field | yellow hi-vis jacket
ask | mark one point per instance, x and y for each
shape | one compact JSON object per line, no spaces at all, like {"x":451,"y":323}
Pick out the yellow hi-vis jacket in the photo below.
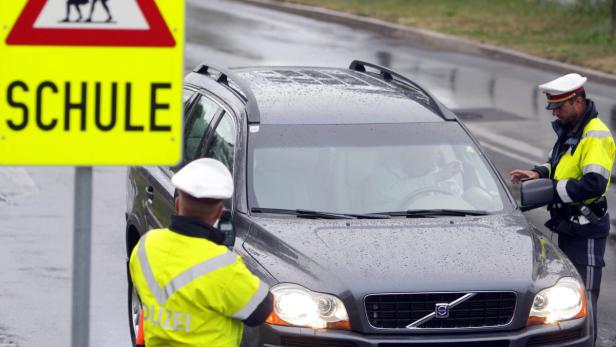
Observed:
{"x":194,"y":292}
{"x":584,"y":175}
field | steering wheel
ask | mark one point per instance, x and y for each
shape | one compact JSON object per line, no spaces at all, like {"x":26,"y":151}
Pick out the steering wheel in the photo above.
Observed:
{"x":410,"y":198}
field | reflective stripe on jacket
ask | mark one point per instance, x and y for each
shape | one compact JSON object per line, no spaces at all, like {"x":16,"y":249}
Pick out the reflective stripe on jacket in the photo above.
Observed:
{"x":584,"y":175}
{"x":194,"y":292}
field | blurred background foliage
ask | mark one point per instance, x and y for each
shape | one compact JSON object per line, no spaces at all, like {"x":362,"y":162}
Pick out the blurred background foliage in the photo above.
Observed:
{"x":579,"y":32}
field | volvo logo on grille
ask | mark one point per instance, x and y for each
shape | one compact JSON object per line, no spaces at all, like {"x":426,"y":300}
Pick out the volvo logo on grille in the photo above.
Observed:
{"x":441,"y":310}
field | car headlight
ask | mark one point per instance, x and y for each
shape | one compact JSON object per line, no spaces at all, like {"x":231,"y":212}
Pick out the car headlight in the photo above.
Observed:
{"x":565,"y":300}
{"x":295,"y":305}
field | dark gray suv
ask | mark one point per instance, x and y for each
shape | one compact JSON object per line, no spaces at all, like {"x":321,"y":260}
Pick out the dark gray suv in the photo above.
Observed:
{"x":370,"y":210}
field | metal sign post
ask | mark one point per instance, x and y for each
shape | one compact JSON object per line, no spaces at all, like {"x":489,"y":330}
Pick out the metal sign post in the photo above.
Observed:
{"x":82,"y":244}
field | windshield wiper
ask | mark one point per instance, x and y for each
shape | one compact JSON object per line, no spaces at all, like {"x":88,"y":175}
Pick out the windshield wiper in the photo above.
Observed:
{"x":368,"y":215}
{"x":301,"y":213}
{"x":436,"y":212}
{"x":319,"y":214}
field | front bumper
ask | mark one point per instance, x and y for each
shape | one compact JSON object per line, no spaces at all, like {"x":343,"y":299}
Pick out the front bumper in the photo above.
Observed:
{"x":570,"y":333}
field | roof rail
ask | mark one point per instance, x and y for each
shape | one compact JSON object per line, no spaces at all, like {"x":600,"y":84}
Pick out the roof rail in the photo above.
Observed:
{"x":252,"y":108}
{"x":389,"y":76}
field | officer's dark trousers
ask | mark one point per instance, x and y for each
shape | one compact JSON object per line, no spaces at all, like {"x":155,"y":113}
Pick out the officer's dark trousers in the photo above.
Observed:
{"x":592,"y":281}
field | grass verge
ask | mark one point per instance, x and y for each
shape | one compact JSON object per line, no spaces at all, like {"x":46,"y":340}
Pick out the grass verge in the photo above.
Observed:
{"x":576,"y":33}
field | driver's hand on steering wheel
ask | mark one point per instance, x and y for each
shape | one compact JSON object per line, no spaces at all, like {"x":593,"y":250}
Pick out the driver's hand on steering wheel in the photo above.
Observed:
{"x":449,"y":170}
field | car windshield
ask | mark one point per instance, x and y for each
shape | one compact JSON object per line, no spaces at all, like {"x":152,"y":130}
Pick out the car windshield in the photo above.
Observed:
{"x":369,"y":168}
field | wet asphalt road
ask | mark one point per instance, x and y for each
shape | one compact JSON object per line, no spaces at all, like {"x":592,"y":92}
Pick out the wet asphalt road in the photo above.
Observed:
{"x":498,"y":99}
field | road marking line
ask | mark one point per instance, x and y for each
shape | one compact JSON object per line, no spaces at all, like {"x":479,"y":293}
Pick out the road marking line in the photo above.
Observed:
{"x":506,"y":153}
{"x":535,"y":154}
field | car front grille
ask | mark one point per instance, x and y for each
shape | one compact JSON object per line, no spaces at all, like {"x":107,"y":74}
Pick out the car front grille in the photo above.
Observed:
{"x":397,"y":311}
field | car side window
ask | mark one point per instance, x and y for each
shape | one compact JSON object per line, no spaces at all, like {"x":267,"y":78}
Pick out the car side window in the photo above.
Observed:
{"x":197,"y":124}
{"x":221,"y":145}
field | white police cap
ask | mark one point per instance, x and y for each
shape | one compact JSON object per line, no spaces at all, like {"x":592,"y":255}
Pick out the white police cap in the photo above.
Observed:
{"x":562,"y":89}
{"x":204,"y":178}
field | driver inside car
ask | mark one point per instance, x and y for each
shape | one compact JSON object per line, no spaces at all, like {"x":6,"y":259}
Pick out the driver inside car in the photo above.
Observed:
{"x":399,"y":181}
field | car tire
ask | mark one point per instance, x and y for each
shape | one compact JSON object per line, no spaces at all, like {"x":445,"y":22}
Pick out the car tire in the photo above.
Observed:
{"x":134,"y":311}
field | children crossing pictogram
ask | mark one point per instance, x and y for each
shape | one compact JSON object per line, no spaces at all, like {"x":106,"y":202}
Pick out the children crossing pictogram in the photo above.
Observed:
{"x":91,"y":23}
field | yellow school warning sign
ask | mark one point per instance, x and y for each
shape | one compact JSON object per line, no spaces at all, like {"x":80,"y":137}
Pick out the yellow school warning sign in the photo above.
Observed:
{"x":91,"y":82}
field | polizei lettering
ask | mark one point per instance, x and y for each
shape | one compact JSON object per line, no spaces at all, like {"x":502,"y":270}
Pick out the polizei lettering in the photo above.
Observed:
{"x":166,"y":319}
{"x":84,"y":106}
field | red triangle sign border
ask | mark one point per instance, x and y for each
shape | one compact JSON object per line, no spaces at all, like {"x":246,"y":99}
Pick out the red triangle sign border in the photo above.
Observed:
{"x":24,"y":32}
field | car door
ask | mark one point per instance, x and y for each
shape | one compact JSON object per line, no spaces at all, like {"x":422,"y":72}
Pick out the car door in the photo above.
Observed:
{"x":198,"y":122}
{"x":221,"y":145}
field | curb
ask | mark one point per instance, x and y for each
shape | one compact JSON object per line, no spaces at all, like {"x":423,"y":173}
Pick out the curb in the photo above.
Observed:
{"x":434,"y":39}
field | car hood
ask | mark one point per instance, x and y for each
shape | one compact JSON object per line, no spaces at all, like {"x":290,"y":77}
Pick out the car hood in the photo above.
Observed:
{"x":498,"y":252}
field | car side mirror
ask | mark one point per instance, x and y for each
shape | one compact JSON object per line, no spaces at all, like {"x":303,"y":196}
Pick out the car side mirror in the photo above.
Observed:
{"x":226,"y":225}
{"x":536,"y":193}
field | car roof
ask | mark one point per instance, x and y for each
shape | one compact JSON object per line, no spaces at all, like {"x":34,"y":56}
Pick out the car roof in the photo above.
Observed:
{"x":317,"y":95}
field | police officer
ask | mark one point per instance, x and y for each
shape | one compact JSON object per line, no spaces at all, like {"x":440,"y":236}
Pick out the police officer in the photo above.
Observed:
{"x":580,"y":165}
{"x":194,"y":291}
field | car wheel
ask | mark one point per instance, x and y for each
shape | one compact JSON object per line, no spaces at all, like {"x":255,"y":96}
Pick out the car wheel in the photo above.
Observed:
{"x":134,"y":311}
